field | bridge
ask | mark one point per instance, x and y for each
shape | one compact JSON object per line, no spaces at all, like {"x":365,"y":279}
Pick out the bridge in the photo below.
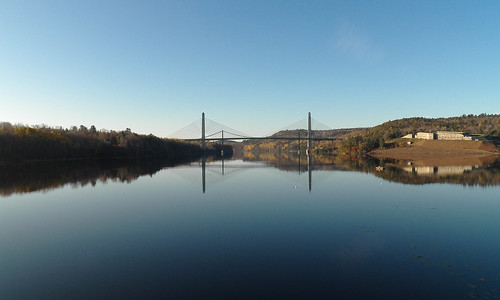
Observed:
{"x":219,"y":132}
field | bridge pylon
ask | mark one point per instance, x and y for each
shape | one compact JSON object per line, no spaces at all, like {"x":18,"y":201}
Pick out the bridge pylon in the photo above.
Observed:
{"x":203,"y":146}
{"x":309,"y":131}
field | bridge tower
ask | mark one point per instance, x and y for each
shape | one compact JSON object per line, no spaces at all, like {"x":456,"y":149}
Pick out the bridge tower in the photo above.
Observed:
{"x":309,"y":152}
{"x":203,"y":146}
{"x":309,"y":141}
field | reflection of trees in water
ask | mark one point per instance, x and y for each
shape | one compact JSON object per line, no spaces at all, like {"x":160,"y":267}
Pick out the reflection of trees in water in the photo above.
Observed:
{"x":42,"y":176}
{"x":482,"y":175}
{"x":290,"y":161}
{"x":486,"y":173}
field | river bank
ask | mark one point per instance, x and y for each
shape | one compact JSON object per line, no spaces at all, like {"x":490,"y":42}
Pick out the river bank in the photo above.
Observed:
{"x":430,"y":152}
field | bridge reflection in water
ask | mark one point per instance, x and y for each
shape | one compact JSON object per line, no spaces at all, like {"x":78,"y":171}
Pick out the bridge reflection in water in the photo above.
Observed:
{"x":486,"y":173}
{"x":223,"y":170}
{"x":44,"y":176}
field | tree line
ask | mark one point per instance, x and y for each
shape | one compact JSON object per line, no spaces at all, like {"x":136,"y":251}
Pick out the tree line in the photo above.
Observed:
{"x":293,"y":145}
{"x":25,"y":143}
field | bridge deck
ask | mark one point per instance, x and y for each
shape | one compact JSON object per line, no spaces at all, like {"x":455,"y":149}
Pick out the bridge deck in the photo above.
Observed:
{"x":263,"y":138}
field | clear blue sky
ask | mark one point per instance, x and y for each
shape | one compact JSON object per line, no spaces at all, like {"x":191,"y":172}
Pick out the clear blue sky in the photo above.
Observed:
{"x":256,"y":66}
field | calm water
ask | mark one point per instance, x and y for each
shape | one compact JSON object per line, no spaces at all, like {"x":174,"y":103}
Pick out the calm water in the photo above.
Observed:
{"x":252,"y":231}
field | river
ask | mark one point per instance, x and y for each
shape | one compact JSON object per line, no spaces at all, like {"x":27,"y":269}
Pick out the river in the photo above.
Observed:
{"x":249,"y":229}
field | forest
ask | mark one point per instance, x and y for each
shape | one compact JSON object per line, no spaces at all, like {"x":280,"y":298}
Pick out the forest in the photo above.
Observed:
{"x":364,"y":140}
{"x":20,"y":143}
{"x":294,"y":145}
{"x":484,"y":125}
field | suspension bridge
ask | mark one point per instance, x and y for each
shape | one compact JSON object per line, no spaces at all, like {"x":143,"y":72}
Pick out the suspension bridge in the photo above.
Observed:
{"x":204,"y":130}
{"x":210,"y":130}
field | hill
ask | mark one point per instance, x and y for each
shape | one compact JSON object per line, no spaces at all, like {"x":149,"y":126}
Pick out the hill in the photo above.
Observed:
{"x":331,"y":133}
{"x":487,"y":126}
{"x":292,"y":145}
{"x":483,"y":124}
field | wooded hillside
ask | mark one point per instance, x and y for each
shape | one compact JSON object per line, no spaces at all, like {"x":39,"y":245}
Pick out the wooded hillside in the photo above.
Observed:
{"x":485,"y":125}
{"x":23,"y":143}
{"x":296,"y":145}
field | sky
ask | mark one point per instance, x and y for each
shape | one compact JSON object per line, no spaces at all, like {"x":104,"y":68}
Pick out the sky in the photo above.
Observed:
{"x":255,"y":66}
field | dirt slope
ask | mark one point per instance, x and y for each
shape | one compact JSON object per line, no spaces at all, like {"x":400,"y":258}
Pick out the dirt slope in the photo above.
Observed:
{"x":440,"y":152}
{"x":456,"y":145}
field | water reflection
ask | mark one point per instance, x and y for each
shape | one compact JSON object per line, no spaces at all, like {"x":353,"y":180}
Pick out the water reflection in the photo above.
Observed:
{"x":44,"y":176}
{"x":291,"y":165}
{"x":439,"y":170}
{"x":252,"y":234}
{"x":484,"y":172}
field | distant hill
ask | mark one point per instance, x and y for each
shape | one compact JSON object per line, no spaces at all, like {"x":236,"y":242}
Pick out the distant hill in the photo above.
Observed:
{"x":285,"y":146}
{"x":485,"y":125}
{"x":364,"y":140}
{"x":332,"y":133}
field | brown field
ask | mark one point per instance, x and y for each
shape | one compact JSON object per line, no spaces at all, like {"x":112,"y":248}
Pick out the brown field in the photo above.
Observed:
{"x":442,"y":153}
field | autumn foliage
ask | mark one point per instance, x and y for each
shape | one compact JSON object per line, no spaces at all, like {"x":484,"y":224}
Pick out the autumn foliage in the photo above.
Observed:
{"x":487,"y":126}
{"x":23,"y":143}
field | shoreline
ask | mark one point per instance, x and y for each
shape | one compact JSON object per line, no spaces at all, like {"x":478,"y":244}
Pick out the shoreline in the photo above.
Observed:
{"x":442,"y":153}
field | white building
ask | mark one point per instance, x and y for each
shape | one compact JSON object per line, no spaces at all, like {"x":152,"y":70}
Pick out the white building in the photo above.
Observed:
{"x":441,"y":135}
{"x":452,"y":136}
{"x":425,"y":135}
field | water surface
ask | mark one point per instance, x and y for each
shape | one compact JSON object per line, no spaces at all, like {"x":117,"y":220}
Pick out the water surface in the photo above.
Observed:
{"x":254,"y":231}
